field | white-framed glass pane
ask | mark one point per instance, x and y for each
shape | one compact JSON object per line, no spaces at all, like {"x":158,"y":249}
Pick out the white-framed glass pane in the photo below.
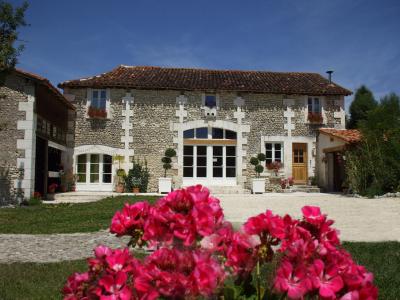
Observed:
{"x":94,"y":168}
{"x":230,"y":135}
{"x":310,"y":104}
{"x":217,"y":133}
{"x":188,"y":161}
{"x":81,"y":168}
{"x":107,"y":168}
{"x":210,"y":101}
{"x":202,"y":133}
{"x":317,"y":106}
{"x":188,"y":134}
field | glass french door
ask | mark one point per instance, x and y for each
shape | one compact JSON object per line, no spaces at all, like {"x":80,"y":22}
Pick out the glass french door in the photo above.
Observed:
{"x":94,"y":172}
{"x":210,"y":164}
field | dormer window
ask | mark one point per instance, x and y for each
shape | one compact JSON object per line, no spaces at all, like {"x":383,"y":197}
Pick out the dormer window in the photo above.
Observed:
{"x":210,"y":101}
{"x":99,"y":98}
{"x":314,"y":105}
{"x":98,"y":104}
{"x":314,"y":111}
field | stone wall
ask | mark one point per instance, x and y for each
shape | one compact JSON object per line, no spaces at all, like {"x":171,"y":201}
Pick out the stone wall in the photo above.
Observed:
{"x":11,"y":93}
{"x":154,"y":112}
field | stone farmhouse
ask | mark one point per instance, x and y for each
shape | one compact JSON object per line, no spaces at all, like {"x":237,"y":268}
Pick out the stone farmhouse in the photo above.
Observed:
{"x":36,"y":131}
{"x":216,"y":120}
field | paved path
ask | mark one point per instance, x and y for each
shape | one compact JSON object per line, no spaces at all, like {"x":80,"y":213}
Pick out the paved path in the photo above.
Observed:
{"x":357,"y":219}
{"x":54,"y":247}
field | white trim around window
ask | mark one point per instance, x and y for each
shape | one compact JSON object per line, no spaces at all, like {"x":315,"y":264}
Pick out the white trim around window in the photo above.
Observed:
{"x":96,"y":102}
{"x":274,"y":151}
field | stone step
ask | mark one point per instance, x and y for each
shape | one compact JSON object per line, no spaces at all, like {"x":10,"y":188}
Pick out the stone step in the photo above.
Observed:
{"x":305,"y":188}
{"x":236,"y":189}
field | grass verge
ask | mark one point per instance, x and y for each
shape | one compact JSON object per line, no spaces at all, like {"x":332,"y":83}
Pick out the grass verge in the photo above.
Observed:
{"x":64,"y":218}
{"x":44,"y":281}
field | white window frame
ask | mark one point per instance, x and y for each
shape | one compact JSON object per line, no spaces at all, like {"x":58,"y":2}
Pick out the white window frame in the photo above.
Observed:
{"x":88,"y":173}
{"x":273,"y":150}
{"x":99,"y":99}
{"x":89,"y":100}
{"x":314,"y":100}
{"x":216,"y":100}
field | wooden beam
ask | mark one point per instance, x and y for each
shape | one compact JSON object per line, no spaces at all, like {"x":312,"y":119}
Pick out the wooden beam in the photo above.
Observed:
{"x":334,"y":149}
{"x":209,"y":142}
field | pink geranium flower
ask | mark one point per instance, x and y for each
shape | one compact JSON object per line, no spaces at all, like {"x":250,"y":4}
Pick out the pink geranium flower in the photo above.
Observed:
{"x":114,"y":287}
{"x":131,"y":218}
{"x":266,"y":224}
{"x":326,"y":280}
{"x":293,"y":281}
{"x":312,"y":214}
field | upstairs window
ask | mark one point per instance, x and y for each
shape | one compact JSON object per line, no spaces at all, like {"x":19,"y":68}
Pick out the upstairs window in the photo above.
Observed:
{"x":314,"y":105}
{"x":210,"y":101}
{"x":99,"y":98}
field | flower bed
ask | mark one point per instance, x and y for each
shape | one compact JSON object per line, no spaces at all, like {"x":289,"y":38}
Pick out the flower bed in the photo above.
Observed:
{"x":197,"y":253}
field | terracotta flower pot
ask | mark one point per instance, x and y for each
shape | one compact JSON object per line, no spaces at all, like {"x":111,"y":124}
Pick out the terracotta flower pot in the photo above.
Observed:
{"x":135,"y":190}
{"x":119,"y":188}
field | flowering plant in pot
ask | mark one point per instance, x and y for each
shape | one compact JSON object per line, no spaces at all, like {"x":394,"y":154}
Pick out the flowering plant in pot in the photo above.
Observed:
{"x":52,"y":188}
{"x":275,"y":166}
{"x":97,"y":113}
{"x":197,"y":254}
{"x":258,"y":184}
{"x":315,"y":117}
{"x":165,"y":183}
{"x":120,"y":174}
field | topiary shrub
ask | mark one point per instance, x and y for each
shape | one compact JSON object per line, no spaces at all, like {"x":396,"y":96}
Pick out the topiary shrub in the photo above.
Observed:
{"x":256,"y":162}
{"x":167,"y":159}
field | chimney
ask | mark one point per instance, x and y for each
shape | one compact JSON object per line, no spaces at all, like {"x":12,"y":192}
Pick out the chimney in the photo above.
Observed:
{"x":329,"y":75}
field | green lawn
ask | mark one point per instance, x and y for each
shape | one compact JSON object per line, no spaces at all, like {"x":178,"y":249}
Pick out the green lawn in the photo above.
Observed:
{"x":64,"y":218}
{"x":44,"y":281}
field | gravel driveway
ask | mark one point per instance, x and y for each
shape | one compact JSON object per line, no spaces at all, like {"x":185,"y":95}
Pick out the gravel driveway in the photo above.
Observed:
{"x":368,"y":220}
{"x":358,"y":219}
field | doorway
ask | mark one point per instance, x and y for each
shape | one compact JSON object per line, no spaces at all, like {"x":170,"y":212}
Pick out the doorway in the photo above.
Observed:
{"x":299,"y":163}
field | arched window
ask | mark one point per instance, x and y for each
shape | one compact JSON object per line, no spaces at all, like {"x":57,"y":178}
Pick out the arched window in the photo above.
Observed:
{"x":209,"y":133}
{"x":209,"y":154}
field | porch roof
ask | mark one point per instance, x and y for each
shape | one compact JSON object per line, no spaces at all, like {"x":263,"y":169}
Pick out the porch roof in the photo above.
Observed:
{"x":46,"y":83}
{"x":347,"y":135}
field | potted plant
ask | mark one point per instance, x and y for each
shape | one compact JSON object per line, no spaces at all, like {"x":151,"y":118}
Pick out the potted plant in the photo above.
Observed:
{"x":97,"y":113}
{"x":284,"y":183}
{"x":121,"y":174}
{"x":136,"y":182}
{"x":315,"y":117}
{"x":165,"y":183}
{"x":258,"y":184}
{"x":290,"y":180}
{"x":275,"y":166}
{"x":63,"y":181}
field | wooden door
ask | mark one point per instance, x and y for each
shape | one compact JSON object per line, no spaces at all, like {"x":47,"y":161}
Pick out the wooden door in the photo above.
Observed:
{"x":299,"y":163}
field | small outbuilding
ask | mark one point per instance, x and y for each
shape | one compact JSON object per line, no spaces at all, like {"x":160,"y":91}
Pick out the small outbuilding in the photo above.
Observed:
{"x":330,"y":166}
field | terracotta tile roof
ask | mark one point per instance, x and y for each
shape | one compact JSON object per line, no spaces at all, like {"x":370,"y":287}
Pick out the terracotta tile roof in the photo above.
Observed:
{"x":347,"y":135}
{"x":211,"y":80}
{"x":47,"y":84}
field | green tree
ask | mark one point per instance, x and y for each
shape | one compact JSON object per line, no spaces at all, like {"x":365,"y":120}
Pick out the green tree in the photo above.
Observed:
{"x":373,"y":167}
{"x":363,"y":102}
{"x":10,"y":46}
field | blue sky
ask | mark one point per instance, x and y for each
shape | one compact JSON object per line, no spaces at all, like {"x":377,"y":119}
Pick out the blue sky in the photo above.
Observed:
{"x":358,"y":39}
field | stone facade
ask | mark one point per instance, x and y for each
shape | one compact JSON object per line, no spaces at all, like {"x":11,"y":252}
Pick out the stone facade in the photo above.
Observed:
{"x":155,"y":114}
{"x":12,"y":93}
